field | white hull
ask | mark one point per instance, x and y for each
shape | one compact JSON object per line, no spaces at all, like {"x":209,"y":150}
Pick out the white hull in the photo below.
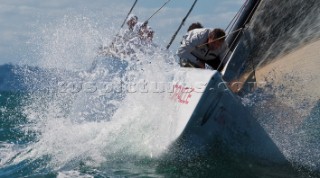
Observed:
{"x":215,"y":119}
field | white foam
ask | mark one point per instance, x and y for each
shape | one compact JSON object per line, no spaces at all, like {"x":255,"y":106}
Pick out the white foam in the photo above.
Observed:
{"x":74,"y":127}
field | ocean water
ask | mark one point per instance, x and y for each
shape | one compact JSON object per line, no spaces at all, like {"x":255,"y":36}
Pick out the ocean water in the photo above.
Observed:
{"x":46,"y":139}
{"x":73,"y":113}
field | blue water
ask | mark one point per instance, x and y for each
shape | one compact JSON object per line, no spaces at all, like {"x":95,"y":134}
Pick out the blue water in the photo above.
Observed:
{"x":52,"y":129}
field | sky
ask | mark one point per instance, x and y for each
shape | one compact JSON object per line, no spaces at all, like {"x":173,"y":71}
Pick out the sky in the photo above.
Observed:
{"x":21,"y":21}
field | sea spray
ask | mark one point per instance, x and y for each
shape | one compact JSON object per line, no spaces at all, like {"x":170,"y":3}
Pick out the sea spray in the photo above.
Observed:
{"x":80,"y":120}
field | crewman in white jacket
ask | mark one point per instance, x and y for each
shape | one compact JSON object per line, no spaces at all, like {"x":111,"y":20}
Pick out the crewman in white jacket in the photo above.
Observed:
{"x":203,"y":46}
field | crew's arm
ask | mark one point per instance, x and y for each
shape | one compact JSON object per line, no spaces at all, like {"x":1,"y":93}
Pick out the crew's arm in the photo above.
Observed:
{"x":184,"y":51}
{"x":188,"y":45}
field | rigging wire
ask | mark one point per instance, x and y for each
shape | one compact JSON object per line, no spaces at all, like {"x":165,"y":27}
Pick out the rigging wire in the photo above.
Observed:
{"x":113,"y":40}
{"x":157,"y":11}
{"x":242,"y":28}
{"x":236,"y":17}
{"x":134,"y":4}
{"x":182,"y":23}
{"x":145,"y":23}
{"x":220,"y":38}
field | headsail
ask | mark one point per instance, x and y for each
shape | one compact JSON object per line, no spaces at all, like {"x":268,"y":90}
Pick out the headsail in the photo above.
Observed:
{"x":278,"y":54}
{"x":272,"y":32}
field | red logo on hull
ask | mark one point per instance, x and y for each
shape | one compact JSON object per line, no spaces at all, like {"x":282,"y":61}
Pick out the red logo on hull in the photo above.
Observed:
{"x":182,"y":94}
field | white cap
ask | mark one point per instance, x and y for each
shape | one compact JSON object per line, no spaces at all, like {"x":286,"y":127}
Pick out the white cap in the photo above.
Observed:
{"x":132,"y":16}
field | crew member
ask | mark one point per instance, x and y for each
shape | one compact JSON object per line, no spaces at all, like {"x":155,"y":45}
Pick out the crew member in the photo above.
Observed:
{"x":203,"y":46}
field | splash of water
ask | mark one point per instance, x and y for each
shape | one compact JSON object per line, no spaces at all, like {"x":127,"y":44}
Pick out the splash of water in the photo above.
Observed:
{"x":286,"y":112}
{"x":94,"y":116}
